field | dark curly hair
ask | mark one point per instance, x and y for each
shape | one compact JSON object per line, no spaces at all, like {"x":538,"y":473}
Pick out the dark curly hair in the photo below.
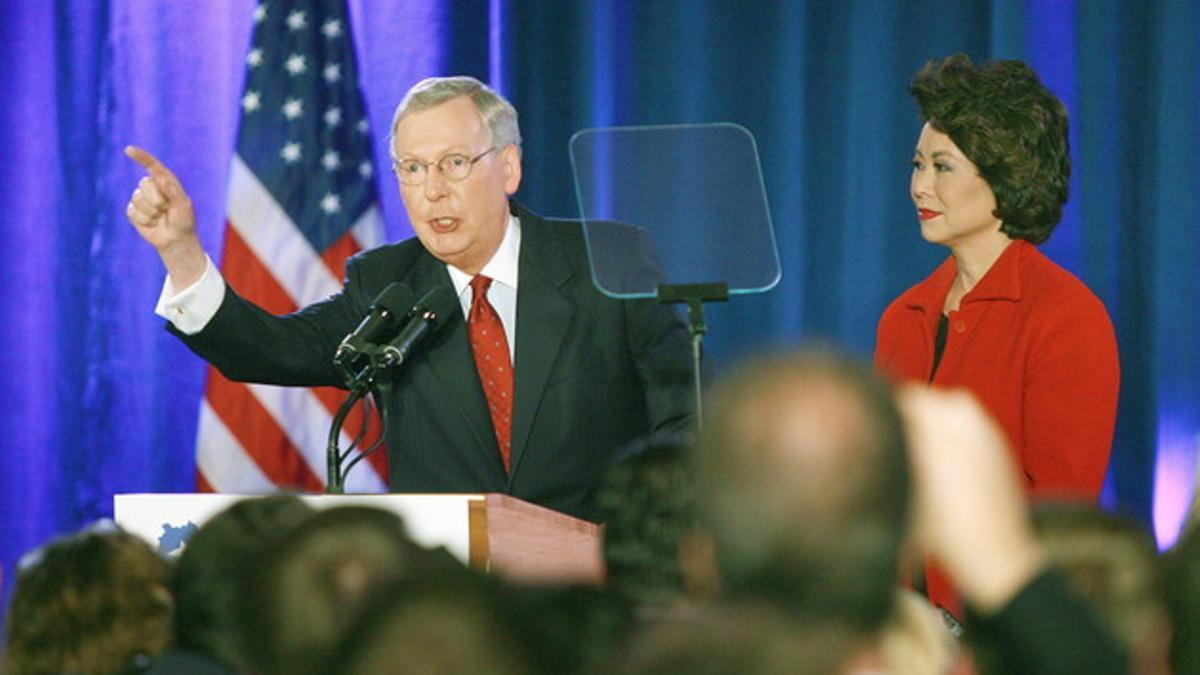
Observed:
{"x":1014,"y":130}
{"x":647,"y":502}
{"x":92,"y":602}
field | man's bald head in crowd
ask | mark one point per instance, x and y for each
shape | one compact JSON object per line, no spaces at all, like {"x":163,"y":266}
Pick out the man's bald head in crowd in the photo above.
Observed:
{"x":805,"y":485}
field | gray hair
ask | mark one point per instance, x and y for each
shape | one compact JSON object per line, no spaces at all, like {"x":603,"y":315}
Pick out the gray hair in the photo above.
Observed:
{"x":497,"y":112}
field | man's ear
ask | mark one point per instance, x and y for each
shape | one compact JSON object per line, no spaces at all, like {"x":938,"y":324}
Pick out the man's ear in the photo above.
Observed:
{"x":511,"y":156}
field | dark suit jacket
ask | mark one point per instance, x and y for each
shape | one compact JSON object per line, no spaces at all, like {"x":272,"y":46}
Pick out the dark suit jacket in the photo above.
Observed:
{"x":591,"y":372}
{"x":1046,"y":628}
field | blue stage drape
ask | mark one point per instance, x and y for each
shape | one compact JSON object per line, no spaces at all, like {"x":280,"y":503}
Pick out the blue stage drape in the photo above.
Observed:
{"x":98,"y":399}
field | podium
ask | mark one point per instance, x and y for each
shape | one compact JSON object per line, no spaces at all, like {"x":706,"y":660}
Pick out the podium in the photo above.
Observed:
{"x":490,"y":532}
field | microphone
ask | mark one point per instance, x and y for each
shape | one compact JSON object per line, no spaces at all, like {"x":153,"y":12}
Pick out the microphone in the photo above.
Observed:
{"x":423,"y":319}
{"x":381,"y":321}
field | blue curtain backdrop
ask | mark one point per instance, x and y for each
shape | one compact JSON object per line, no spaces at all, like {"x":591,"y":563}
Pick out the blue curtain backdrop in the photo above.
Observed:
{"x":98,"y":399}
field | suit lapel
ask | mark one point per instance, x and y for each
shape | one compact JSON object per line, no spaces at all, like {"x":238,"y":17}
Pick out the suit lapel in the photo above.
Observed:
{"x":453,"y":365}
{"x":544,"y":314}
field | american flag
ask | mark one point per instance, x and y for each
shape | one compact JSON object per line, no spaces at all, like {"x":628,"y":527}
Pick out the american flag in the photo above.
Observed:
{"x":302,"y":199}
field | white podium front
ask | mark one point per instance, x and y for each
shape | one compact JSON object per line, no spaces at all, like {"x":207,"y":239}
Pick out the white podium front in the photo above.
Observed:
{"x":490,"y":532}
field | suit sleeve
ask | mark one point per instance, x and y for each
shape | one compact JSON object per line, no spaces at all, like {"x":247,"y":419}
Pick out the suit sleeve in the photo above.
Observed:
{"x":248,"y":344}
{"x":1070,"y":401}
{"x":1047,"y":629}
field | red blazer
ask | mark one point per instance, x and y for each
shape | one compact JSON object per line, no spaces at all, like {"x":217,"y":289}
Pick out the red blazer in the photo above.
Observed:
{"x":1037,"y":348}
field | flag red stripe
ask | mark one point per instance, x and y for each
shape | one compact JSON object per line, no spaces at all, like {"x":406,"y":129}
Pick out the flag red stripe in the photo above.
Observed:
{"x":338,"y":252}
{"x":254,"y":281}
{"x":202,"y":484}
{"x":257,"y":432}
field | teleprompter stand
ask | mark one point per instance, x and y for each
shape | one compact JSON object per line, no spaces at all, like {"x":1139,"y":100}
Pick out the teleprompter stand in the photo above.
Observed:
{"x":694,"y":296}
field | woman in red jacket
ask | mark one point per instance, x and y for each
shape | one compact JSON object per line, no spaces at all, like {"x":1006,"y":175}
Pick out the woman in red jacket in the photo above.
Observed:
{"x":989,"y":179}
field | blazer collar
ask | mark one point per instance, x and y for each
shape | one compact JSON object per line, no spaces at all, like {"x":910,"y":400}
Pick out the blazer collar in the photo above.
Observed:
{"x":1001,"y":282}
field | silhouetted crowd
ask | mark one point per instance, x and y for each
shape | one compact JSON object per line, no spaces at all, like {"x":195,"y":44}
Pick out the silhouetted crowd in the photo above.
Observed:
{"x":786,"y":538}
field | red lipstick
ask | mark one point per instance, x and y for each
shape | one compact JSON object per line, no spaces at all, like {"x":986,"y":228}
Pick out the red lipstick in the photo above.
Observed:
{"x":926,"y":214}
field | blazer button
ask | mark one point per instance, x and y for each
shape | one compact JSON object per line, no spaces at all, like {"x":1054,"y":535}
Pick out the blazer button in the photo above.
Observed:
{"x":960,"y":326}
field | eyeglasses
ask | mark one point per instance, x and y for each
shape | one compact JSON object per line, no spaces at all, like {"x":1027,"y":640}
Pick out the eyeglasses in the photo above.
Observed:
{"x":454,"y":167}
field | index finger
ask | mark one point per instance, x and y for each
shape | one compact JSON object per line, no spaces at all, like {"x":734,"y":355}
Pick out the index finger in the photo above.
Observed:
{"x":163,"y":176}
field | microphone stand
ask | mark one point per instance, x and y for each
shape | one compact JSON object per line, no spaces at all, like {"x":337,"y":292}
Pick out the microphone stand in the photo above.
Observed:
{"x":380,"y":391}
{"x":334,"y":483}
{"x":360,"y":385}
{"x":377,"y":377}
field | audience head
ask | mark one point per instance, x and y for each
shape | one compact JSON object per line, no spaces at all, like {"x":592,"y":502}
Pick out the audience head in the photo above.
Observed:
{"x":804,"y":485}
{"x":1112,"y":563}
{"x":572,"y":628}
{"x":1011,"y":127}
{"x":298,"y":601}
{"x":745,"y":638}
{"x":92,"y":602}
{"x":447,"y":622}
{"x":1181,"y":583}
{"x":229,"y":543}
{"x":647,"y":504}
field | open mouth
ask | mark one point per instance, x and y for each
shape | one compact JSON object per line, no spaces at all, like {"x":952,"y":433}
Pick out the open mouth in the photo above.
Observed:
{"x":443,"y":224}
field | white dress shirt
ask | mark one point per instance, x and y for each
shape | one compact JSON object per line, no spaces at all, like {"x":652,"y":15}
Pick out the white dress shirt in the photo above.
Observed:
{"x":503,"y":269}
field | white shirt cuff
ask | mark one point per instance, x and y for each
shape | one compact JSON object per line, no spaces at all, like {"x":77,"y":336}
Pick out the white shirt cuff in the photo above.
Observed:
{"x":191,"y":309}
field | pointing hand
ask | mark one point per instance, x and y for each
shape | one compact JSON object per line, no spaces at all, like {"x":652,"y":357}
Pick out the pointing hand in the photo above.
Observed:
{"x":162,"y":213}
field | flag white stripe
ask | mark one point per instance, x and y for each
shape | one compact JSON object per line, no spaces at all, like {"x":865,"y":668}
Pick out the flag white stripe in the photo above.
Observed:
{"x":274,"y":239}
{"x":368,"y":231}
{"x":223,"y":461}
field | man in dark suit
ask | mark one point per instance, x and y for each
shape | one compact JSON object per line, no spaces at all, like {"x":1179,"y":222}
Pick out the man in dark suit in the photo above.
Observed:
{"x":589,"y":372}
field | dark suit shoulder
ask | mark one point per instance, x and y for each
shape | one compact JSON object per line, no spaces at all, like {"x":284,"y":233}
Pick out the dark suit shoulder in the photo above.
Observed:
{"x":564,"y":230}
{"x":398,"y":256}
{"x":625,"y":249}
{"x":369,"y":272}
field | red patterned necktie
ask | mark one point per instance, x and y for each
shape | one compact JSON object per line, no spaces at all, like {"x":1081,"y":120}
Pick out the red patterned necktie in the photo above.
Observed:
{"x":490,"y":348}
